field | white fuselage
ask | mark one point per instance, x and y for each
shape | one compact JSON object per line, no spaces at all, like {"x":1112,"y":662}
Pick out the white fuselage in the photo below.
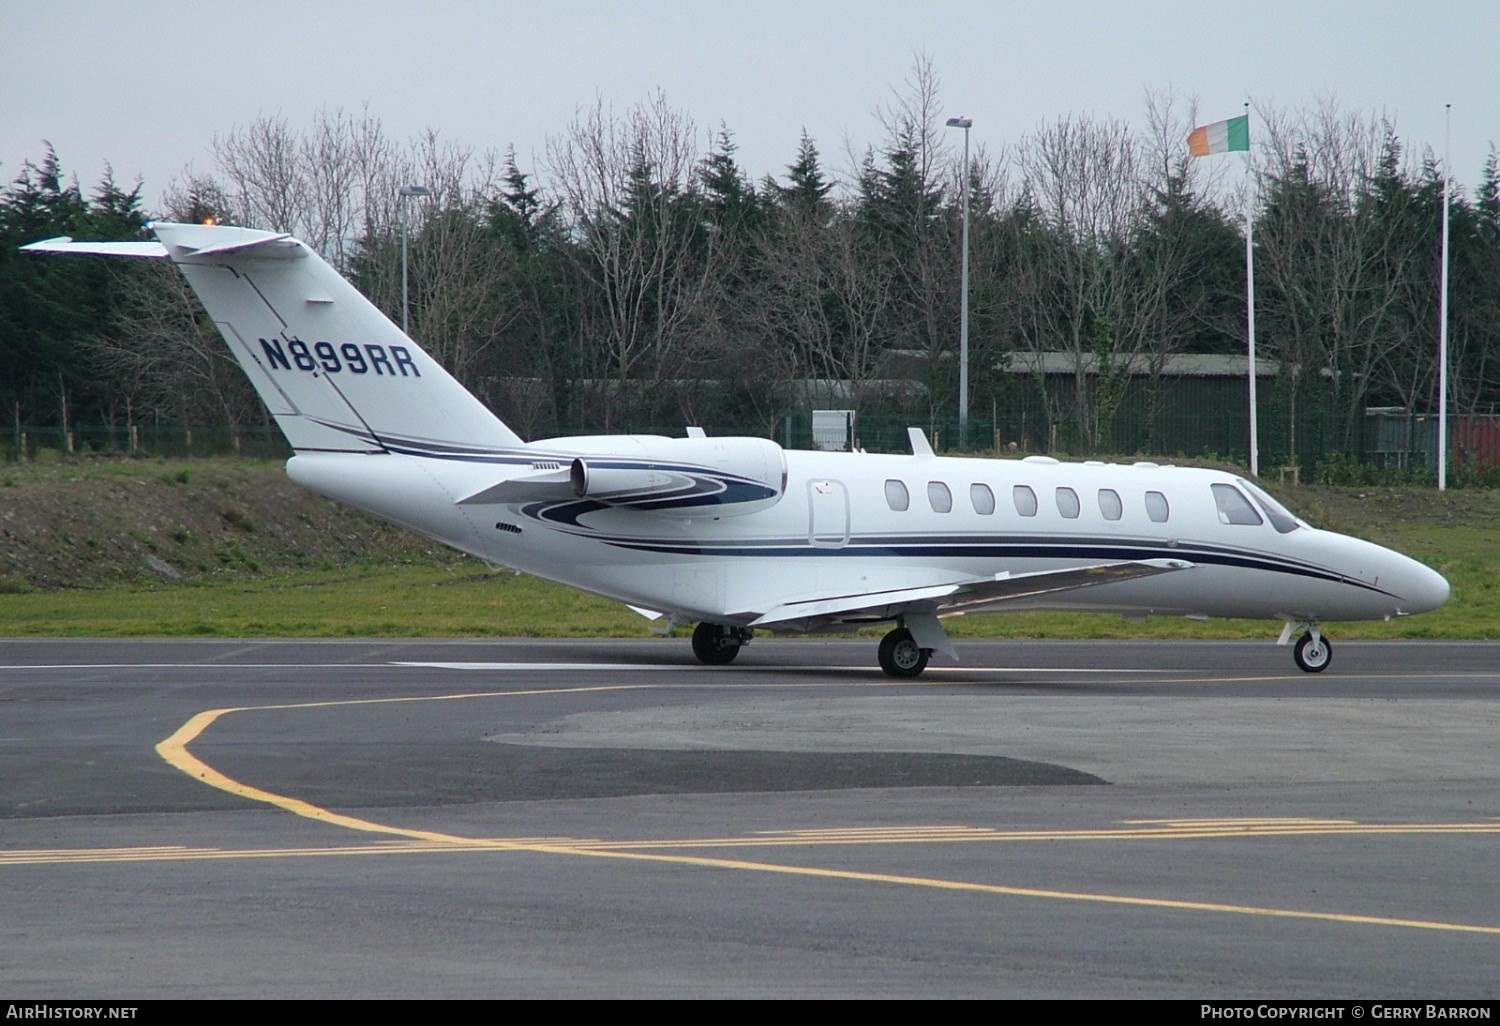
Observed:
{"x":838,"y":529}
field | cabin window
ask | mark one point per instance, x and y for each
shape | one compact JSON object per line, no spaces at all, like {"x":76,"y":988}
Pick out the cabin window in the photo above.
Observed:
{"x":1025,"y":500}
{"x":1156,"y":507}
{"x":896,"y":496}
{"x":1234,"y":508}
{"x":939,"y":497}
{"x":1067,"y":503}
{"x":1110,"y":506}
{"x":982,"y":498}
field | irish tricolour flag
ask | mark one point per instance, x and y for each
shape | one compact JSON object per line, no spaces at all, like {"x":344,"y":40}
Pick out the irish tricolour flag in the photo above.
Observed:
{"x":1220,"y":137}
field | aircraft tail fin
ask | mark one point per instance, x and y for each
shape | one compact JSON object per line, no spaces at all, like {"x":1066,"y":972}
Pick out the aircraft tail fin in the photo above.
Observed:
{"x":334,"y":371}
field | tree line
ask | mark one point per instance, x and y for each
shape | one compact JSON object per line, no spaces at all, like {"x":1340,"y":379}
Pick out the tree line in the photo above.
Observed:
{"x":638,"y":277}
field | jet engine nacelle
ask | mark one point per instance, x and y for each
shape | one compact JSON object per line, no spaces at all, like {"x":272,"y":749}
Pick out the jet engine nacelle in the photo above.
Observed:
{"x":684,"y":477}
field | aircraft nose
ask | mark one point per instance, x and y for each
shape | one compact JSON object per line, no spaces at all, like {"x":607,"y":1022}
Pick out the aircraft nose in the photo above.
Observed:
{"x":1423,"y":588}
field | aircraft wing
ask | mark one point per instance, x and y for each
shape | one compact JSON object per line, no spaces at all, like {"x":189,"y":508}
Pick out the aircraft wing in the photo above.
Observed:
{"x":967,"y":596}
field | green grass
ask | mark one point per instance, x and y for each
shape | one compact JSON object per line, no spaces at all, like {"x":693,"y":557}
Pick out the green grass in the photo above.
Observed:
{"x":381,"y":601}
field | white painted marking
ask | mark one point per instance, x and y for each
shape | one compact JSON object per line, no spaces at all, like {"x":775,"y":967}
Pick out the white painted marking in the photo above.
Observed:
{"x":553,"y":666}
{"x":187,"y":666}
{"x":608,"y":667}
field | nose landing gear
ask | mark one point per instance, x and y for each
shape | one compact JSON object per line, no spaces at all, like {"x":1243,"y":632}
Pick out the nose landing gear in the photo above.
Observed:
{"x":1312,"y":653}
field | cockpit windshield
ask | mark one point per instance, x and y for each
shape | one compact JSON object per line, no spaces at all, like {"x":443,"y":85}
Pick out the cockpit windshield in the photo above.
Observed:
{"x":1280,"y":517}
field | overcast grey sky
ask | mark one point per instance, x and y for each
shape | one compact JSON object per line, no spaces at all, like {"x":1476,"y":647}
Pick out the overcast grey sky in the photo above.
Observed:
{"x":146,"y":84}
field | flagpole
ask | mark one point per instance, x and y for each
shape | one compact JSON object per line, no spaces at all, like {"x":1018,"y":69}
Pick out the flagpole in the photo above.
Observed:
{"x":1226,"y":137}
{"x":1250,"y":302}
{"x":1442,"y":452}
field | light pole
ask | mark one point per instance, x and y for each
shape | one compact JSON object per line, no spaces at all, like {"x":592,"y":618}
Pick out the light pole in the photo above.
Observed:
{"x":407,"y":192}
{"x":963,"y":301}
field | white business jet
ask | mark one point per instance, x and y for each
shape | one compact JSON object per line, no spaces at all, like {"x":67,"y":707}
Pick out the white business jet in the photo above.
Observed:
{"x":738,"y":534}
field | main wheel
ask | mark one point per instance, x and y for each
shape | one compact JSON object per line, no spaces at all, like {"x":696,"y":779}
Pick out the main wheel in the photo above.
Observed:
{"x":901,"y":656}
{"x":1312,"y":654}
{"x":715,"y":644}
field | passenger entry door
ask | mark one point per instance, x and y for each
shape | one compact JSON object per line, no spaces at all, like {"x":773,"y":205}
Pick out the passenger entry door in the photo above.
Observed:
{"x":827,"y":514}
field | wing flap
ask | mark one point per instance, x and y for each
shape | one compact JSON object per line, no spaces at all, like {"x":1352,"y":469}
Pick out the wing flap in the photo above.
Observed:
{"x":967,"y":596}
{"x":873,"y":602}
{"x":987,"y":596}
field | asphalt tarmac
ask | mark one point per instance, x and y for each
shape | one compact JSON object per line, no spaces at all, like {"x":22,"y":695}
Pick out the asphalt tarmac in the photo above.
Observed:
{"x":519,"y":818}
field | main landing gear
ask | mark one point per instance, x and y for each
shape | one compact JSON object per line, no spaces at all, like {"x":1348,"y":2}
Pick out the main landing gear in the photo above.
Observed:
{"x":901,"y":656}
{"x":1312,"y":652}
{"x":716,"y":644}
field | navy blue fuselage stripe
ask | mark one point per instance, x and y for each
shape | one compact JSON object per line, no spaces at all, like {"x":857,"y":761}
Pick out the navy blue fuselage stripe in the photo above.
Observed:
{"x":1084,"y":551}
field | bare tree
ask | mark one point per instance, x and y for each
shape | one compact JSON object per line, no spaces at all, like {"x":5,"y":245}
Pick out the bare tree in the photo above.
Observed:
{"x":1333,"y":265}
{"x":627,"y":183}
{"x":911,"y":206}
{"x":330,"y":185}
{"x":824,"y":304}
{"x":337,"y":186}
{"x":167,"y":358}
{"x":455,"y":266}
{"x":1087,"y":180}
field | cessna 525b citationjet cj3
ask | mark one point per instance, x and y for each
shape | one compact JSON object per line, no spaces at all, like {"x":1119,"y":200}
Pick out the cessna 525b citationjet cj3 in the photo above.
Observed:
{"x":737,"y":534}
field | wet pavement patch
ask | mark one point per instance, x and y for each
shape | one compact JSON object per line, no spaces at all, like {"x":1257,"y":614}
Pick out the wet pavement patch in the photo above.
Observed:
{"x":364,"y":775}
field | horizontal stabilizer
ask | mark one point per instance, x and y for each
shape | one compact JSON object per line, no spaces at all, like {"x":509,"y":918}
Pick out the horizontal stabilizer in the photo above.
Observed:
{"x":215,"y":243}
{"x":271,"y":245}
{"x":65,"y":244}
{"x":544,"y":486}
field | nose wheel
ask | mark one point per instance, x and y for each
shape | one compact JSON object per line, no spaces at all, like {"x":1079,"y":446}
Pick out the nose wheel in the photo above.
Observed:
{"x":1312,"y":653}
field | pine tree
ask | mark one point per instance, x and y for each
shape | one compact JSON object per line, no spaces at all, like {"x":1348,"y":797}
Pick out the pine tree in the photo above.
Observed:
{"x":806,"y":191}
{"x":50,"y":309}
